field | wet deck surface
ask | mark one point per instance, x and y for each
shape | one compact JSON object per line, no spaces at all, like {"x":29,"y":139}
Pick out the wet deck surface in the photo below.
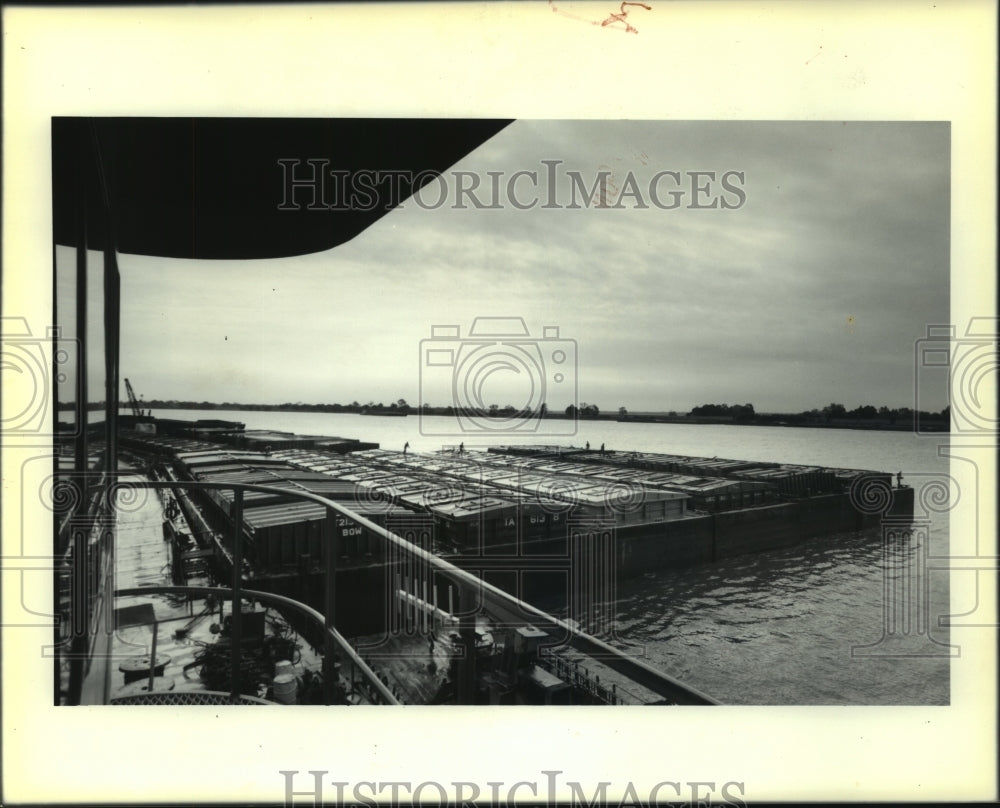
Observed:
{"x":184,"y":627}
{"x":144,"y":559}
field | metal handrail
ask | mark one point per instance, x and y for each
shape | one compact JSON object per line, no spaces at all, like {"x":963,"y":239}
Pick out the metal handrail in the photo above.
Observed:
{"x":502,"y":604}
{"x":343,"y":645}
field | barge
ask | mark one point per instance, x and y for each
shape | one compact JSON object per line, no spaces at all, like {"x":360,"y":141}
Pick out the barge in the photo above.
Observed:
{"x":549,"y":524}
{"x":447,"y":577}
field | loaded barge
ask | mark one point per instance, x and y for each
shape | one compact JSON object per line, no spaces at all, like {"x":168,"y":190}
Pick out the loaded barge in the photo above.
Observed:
{"x":548,"y":524}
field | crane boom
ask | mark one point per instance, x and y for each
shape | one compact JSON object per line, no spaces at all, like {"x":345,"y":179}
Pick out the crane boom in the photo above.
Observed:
{"x":132,"y":400}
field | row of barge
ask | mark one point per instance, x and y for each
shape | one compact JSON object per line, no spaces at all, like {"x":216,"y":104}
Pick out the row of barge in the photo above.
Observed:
{"x":552,"y":525}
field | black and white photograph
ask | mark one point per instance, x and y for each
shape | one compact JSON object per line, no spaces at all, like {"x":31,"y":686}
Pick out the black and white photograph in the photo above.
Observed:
{"x":512,"y":420}
{"x":323,"y":307}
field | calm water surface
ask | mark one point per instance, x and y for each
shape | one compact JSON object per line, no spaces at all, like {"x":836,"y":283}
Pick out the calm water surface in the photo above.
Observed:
{"x":770,"y":628}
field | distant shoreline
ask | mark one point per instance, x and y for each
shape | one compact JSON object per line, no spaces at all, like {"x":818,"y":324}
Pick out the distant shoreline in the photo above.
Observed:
{"x":768,"y":419}
{"x":836,"y":424}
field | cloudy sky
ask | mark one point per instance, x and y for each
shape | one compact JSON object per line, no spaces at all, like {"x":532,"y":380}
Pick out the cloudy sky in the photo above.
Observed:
{"x":812,"y":290}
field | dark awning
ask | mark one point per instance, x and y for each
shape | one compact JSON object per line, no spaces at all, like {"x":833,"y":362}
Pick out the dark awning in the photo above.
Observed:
{"x":214,"y":187}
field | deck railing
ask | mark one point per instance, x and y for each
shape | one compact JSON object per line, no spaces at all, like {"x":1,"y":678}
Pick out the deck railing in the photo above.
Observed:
{"x":473,"y":594}
{"x":378,"y":689}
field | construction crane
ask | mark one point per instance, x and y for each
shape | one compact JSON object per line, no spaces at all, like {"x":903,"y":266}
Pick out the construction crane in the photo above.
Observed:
{"x":142,"y":423}
{"x":132,"y":400}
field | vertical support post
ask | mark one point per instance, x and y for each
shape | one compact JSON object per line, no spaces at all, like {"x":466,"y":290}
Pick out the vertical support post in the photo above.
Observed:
{"x":109,"y":572}
{"x":152,"y":657}
{"x":79,"y":532}
{"x":331,"y":550}
{"x":466,"y":684}
{"x":395,"y":610}
{"x":78,"y":645}
{"x":112,"y":290}
{"x":112,"y":352}
{"x":80,"y":449}
{"x":426,"y":622}
{"x":236,"y":627}
{"x":111,"y":349}
{"x":407,"y":622}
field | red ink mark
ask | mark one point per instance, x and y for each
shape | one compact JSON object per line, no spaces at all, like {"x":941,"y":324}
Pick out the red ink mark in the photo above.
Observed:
{"x":614,"y":18}
{"x":623,"y":13}
{"x":607,"y":178}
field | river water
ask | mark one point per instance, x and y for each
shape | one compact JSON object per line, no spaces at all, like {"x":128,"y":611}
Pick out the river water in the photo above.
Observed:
{"x":819,"y":623}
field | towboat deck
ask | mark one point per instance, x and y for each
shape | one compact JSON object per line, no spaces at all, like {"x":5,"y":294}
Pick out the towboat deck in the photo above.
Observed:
{"x":178,"y":627}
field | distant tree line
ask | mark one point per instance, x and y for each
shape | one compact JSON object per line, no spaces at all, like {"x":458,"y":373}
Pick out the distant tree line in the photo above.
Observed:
{"x":832,"y":414}
{"x":867,"y":412}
